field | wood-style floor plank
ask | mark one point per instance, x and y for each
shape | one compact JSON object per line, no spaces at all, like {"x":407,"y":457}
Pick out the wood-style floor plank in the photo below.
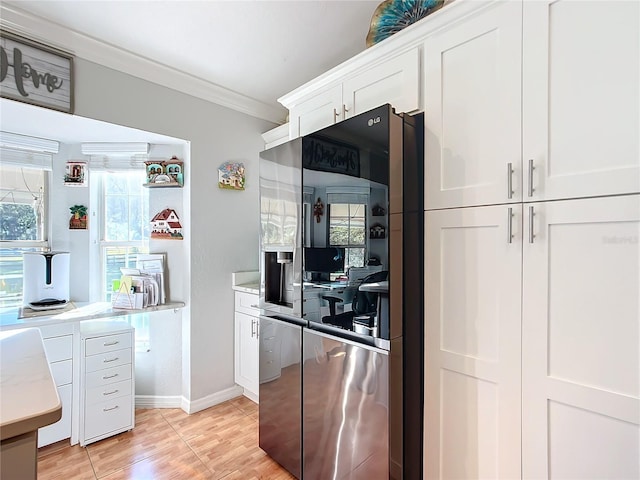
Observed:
{"x":219,"y":442}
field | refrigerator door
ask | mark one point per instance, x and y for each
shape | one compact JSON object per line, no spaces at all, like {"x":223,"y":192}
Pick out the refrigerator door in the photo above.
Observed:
{"x":345,"y":409}
{"x":280,"y":391}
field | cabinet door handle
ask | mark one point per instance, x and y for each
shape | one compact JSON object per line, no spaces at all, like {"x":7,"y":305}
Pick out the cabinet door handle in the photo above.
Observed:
{"x":105,"y":377}
{"x":531,"y":234}
{"x":510,"y":225}
{"x":531,"y":169}
{"x":344,"y":111}
{"x":107,"y":360}
{"x":110,"y":393}
{"x":253,"y":328}
{"x":510,"y":180}
{"x":110,"y":344}
{"x":336,"y":115}
{"x":109,"y":409}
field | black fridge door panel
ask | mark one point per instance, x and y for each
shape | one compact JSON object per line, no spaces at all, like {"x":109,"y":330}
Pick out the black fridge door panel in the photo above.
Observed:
{"x":280,"y":392}
{"x":345,"y":409}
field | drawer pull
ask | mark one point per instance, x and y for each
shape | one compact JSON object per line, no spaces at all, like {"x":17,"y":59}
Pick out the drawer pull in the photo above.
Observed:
{"x":110,"y":344}
{"x":109,"y":409}
{"x":110,"y":393}
{"x":105,"y":377}
{"x":107,"y":360}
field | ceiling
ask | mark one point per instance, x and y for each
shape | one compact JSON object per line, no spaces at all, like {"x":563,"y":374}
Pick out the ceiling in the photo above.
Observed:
{"x":261,"y":49}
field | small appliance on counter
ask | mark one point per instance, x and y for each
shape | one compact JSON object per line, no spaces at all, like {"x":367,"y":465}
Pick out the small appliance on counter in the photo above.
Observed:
{"x":45,"y":280}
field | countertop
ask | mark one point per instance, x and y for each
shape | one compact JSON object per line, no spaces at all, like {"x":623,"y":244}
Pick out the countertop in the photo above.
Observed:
{"x":248,"y":282}
{"x":28,"y":396}
{"x":87,"y":311}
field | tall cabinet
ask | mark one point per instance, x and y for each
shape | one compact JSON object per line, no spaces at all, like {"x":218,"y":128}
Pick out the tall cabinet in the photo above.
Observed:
{"x":532,"y":366}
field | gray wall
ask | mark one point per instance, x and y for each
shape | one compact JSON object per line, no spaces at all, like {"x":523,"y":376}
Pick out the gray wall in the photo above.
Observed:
{"x":223,"y":224}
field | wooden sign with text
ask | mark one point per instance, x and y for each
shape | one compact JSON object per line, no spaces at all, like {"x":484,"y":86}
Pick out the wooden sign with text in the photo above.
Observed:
{"x":34,"y":73}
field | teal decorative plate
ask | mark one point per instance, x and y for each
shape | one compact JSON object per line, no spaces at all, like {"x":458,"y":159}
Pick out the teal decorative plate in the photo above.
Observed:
{"x":391,"y":16}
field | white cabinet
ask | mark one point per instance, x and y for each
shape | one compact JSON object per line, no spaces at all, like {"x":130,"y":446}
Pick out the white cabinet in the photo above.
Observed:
{"x":246,"y":343}
{"x":524,"y":102}
{"x":107,"y":380}
{"x":472,"y":346}
{"x":472,"y":110}
{"x":58,"y":345}
{"x":395,"y":81}
{"x":581,"y":98}
{"x":581,"y":325}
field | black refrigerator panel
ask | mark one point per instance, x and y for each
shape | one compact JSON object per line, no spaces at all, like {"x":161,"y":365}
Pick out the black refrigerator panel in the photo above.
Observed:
{"x":281,"y":227}
{"x":280,"y":416}
{"x":345,"y":409}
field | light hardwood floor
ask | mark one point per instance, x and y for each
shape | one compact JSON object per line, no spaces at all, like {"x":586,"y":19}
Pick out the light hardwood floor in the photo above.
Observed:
{"x":219,"y":442}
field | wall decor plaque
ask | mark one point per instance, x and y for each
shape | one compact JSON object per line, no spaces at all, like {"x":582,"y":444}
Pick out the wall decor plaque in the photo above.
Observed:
{"x":34,"y":73}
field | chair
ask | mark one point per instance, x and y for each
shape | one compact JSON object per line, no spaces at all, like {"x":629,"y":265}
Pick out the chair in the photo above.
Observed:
{"x":364,"y":305}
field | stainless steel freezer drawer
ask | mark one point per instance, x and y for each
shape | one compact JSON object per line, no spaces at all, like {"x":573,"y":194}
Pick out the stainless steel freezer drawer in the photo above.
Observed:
{"x":345,"y":409}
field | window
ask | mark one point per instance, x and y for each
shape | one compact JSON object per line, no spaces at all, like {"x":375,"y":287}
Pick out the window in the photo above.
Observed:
{"x":23,"y":223}
{"x":125,"y":223}
{"x":347,"y":228}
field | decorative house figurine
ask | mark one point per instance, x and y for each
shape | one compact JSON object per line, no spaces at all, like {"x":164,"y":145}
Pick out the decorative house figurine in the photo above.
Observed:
{"x":166,"y":225}
{"x":164,"y":173}
{"x":75,"y":174}
{"x":78,"y":219}
{"x":231,"y":175}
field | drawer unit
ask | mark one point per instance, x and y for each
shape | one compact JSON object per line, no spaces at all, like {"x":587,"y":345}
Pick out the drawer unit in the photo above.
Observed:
{"x":58,"y":346}
{"x":107,"y":378}
{"x":246,"y":342}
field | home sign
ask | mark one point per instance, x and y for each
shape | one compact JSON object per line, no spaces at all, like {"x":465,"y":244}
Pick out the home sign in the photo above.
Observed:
{"x":34,"y":73}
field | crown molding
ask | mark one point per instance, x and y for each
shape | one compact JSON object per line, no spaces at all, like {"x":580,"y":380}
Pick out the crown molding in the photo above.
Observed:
{"x":88,"y":48}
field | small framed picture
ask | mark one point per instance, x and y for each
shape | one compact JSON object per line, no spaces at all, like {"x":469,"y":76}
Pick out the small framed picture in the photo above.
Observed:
{"x":75,"y":174}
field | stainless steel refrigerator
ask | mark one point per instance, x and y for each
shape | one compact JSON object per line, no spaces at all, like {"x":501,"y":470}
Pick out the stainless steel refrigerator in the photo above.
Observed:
{"x":341,"y":336}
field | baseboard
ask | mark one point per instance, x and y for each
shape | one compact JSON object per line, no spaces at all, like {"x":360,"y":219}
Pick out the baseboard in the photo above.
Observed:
{"x":158,"y":401}
{"x":251,"y":396}
{"x":210,"y":400}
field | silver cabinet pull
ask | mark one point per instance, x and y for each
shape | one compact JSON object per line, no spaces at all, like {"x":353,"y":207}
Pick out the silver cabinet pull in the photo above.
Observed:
{"x":110,"y":344}
{"x":510,"y":191}
{"x":253,"y":326}
{"x":510,"y":225}
{"x":344,"y":111}
{"x":109,"y":409}
{"x":110,"y":393}
{"x":105,"y":377}
{"x":531,"y":169}
{"x":531,"y":234}
{"x":336,"y":114}
{"x":107,"y":360}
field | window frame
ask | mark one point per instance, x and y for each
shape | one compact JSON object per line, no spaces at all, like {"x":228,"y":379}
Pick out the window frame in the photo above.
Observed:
{"x":350,"y":246}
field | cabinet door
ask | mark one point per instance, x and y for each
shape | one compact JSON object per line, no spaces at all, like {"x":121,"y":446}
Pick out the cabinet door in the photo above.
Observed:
{"x":396,"y":81}
{"x":581,"y":98}
{"x":472,"y":110}
{"x":472,"y":343}
{"x":317,"y":112}
{"x":246,"y":352}
{"x":581,"y":324}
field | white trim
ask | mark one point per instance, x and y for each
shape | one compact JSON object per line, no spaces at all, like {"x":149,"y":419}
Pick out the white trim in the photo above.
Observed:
{"x":158,"y":401}
{"x":251,"y":396}
{"x":211,"y":400}
{"x":93,"y":50}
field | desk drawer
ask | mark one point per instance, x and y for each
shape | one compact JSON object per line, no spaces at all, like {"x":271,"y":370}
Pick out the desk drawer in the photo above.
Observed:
{"x":58,"y":348}
{"x":107,"y":360}
{"x":108,"y":392}
{"x":110,"y":416}
{"x":108,"y":376}
{"x":108,"y":343}
{"x":62,"y":372}
{"x":247,"y":303}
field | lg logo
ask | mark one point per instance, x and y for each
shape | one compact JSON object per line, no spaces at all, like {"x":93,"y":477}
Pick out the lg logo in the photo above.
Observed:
{"x":373,"y":121}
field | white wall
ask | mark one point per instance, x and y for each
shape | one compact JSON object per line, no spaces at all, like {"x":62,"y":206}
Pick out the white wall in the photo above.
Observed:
{"x":224,"y":224}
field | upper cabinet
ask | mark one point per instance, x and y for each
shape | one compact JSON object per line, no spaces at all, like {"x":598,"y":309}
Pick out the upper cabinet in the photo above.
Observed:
{"x":395,"y":81}
{"x":581,"y":98}
{"x":519,"y":104}
{"x":472,"y":110}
